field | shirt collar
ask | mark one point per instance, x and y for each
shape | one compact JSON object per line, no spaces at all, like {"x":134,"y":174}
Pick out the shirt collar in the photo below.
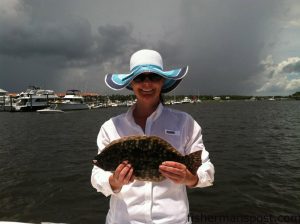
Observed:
{"x":152,"y":117}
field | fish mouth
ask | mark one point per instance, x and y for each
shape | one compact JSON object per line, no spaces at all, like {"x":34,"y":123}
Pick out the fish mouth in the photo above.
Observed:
{"x":94,"y":161}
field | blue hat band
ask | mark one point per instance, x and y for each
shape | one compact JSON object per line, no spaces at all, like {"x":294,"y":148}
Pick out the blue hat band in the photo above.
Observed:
{"x":172,"y":77}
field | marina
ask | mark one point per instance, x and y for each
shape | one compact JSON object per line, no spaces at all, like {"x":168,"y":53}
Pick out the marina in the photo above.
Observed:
{"x":44,"y":101}
{"x":31,"y":99}
{"x":40,"y":100}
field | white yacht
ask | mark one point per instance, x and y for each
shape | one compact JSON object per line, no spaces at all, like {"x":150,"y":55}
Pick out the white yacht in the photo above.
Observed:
{"x":186,"y":100}
{"x":72,"y":101}
{"x":33,"y":99}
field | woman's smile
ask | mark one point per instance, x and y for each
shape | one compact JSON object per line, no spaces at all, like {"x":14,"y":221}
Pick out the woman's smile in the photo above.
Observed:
{"x":147,"y":91}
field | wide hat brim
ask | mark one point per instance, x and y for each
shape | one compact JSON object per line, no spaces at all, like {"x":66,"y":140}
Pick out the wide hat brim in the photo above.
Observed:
{"x":121,"y":81}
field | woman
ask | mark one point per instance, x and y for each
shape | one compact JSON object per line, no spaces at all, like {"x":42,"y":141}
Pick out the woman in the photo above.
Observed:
{"x":134,"y":201}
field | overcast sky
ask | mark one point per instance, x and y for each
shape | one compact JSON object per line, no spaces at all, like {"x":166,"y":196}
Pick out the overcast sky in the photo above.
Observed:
{"x":231,"y":46}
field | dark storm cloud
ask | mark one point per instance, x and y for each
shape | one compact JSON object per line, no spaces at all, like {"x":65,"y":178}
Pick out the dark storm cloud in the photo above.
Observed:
{"x":48,"y":29}
{"x":42,"y":55}
{"x":69,"y":40}
{"x":223,"y":42}
{"x":43,"y":49}
{"x":114,"y":40}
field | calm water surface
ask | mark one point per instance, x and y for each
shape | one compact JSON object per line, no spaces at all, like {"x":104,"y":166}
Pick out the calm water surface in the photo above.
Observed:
{"x":45,"y":162}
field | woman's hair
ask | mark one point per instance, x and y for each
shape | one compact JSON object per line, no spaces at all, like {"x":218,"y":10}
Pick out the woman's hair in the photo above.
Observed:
{"x":162,"y":99}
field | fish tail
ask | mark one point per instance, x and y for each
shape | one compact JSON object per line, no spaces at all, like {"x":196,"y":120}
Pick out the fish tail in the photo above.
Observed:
{"x":193,"y":161}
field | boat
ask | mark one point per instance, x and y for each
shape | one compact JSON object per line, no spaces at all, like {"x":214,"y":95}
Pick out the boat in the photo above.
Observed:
{"x":176,"y":102}
{"x":129,"y":103}
{"x":113,"y":104}
{"x":253,"y":98}
{"x":50,"y":110}
{"x":33,"y":99}
{"x":271,"y":98}
{"x":99,"y":105}
{"x":217,"y":98}
{"x":73,"y":100}
{"x":186,"y":100}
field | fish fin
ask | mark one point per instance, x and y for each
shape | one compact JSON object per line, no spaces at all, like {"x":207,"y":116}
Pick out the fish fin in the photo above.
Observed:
{"x":193,"y":161}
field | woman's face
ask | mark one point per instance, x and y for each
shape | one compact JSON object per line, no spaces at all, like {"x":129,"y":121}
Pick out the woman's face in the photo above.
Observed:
{"x":147,"y":88}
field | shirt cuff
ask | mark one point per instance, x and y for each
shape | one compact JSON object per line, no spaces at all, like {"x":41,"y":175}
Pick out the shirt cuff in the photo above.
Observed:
{"x":103,"y":183}
{"x":204,"y":179}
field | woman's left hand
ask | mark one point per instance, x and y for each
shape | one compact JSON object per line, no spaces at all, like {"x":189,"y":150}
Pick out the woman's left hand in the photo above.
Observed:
{"x":178,"y":173}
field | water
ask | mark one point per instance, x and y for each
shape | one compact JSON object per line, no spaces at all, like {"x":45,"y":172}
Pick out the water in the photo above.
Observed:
{"x":45,"y":162}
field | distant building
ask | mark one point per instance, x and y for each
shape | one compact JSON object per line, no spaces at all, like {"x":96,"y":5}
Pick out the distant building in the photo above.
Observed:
{"x":3,"y":92}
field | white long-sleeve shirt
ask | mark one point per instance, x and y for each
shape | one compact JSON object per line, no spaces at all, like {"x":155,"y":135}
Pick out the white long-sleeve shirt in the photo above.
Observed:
{"x":150,"y":202}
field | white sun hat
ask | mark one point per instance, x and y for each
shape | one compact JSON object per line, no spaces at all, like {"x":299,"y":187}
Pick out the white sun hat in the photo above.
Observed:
{"x":146,"y":61}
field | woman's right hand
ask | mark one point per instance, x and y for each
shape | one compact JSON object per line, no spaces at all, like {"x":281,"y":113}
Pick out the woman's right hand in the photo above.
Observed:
{"x":123,"y":175}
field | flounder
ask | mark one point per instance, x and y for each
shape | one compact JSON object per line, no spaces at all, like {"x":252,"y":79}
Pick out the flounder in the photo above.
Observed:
{"x":145,"y":154}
